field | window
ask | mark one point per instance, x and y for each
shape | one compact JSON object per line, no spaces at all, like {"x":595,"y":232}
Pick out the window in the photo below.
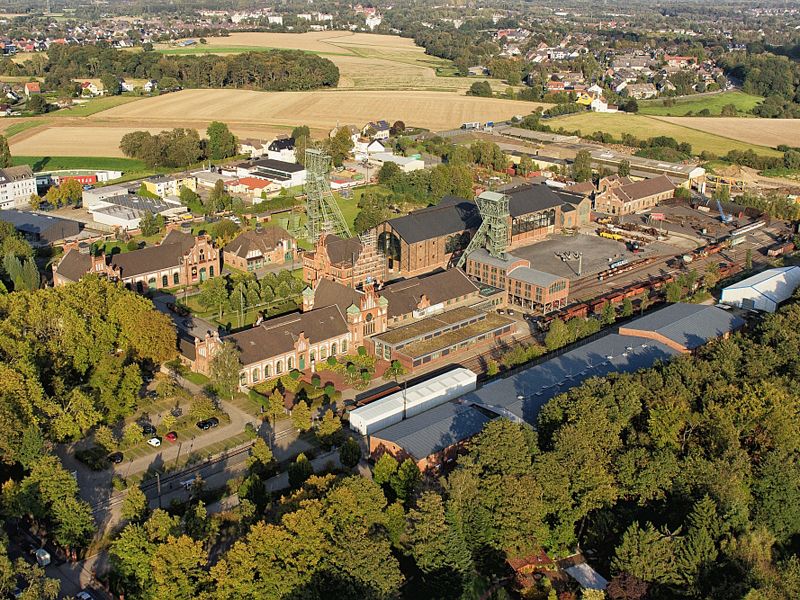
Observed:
{"x":312,"y":356}
{"x":256,"y":374}
{"x":323,"y":353}
{"x":176,"y":278}
{"x":267,"y":371}
{"x":333,"y":348}
{"x":290,"y":363}
{"x":211,"y":271}
{"x":164,"y":281}
{"x":279,"y":367}
{"x":151,"y":281}
{"x":242,"y":378}
{"x":344,"y":345}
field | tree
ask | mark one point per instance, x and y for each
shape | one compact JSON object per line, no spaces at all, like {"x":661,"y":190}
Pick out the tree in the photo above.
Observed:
{"x":582,"y":166}
{"x":557,"y":335}
{"x":110,"y":84}
{"x":748,"y":259}
{"x":134,"y":505}
{"x":644,"y":301}
{"x":5,"y":153}
{"x":350,"y":453}
{"x":624,"y":169}
{"x":179,"y":569}
{"x":398,"y":127}
{"x":631,"y":105}
{"x":300,"y":470}
{"x":35,"y":201}
{"x":405,"y":479}
{"x":480,"y":88}
{"x":221,"y":142}
{"x":202,"y":408}
{"x":394,"y":371}
{"x":609,"y":314}
{"x":301,"y":416}
{"x":37,"y":104}
{"x":213,"y":294}
{"x":274,"y":406}
{"x":388,"y":172}
{"x":261,"y":457}
{"x":151,"y":224}
{"x":627,"y":307}
{"x":339,"y":146}
{"x":225,"y":367}
{"x":329,"y":429}
{"x":627,"y":587}
{"x":673,"y":291}
{"x":218,"y":199}
{"x":384,"y":469}
{"x":646,"y":554}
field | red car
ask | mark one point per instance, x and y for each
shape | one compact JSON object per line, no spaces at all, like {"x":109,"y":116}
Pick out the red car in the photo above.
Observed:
{"x":171,"y":436}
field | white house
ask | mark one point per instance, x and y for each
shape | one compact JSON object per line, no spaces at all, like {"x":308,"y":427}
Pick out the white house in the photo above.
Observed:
{"x":763,"y":291}
{"x":600,"y":105}
{"x":407,"y":164}
{"x":275,"y":19}
{"x":255,"y":148}
{"x":282,"y":148}
{"x":364,"y":148}
{"x":16,"y":186}
{"x":377,"y":130}
{"x":151,"y":86}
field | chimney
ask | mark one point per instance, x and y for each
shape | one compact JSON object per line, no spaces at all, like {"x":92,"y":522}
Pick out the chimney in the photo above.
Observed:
{"x":84,"y":247}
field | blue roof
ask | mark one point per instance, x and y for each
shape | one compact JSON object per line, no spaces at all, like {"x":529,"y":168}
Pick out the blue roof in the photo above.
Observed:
{"x":435,"y":429}
{"x":522,"y":395}
{"x":690,"y":325}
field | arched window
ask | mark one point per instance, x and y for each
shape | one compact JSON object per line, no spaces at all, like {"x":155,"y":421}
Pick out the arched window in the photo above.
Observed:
{"x":242,"y":378}
{"x":164,"y":281}
{"x":333,"y":349}
{"x":139,"y":287}
{"x":176,"y":278}
{"x":344,"y":345}
{"x":211,"y":271}
{"x":151,"y":281}
{"x":279,"y":367}
{"x":267,"y":371}
{"x":323,"y":353}
{"x":256,"y":374}
{"x":290,"y":363}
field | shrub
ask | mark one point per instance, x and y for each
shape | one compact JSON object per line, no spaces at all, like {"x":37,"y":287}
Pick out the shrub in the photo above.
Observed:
{"x":315,"y":380}
{"x":331,"y":361}
{"x":362,"y":351}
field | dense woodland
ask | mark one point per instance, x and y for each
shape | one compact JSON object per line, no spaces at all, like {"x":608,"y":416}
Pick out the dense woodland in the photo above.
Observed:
{"x":273,"y":70}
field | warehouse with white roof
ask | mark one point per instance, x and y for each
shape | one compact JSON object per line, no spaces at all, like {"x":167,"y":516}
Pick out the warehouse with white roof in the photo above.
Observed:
{"x":763,"y":291}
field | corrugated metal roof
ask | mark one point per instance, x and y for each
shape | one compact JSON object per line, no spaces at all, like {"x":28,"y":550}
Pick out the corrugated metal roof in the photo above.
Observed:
{"x":534,"y":277}
{"x":690,"y":325}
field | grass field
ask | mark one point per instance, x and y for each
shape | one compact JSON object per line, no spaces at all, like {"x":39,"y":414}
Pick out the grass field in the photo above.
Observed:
{"x":644,"y":127}
{"x":764,"y":132}
{"x":94,"y":106}
{"x":744,"y":103}
{"x":365,"y":61}
{"x":67,"y":163}
{"x":16,"y":126}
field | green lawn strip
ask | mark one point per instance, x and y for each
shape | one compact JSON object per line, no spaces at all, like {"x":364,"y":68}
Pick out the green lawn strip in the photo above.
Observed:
{"x":196,"y":378}
{"x":744,"y":103}
{"x":18,"y":128}
{"x":66,"y":163}
{"x":95,"y":105}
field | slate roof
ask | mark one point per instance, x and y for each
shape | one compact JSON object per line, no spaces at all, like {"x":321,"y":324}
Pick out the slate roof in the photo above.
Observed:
{"x":278,"y":336}
{"x":74,"y":265}
{"x":404,"y":296}
{"x":333,"y":293}
{"x":534,"y":276}
{"x":265,"y":241}
{"x":15,"y":173}
{"x":451,"y":215}
{"x":277,"y":165}
{"x":482,"y":256}
{"x":690,"y":325}
{"x":164,"y":256}
{"x":435,"y":429}
{"x":527,"y":199}
{"x":643,"y":189}
{"x":279,"y":144}
{"x":341,"y":250}
{"x":44,"y":226}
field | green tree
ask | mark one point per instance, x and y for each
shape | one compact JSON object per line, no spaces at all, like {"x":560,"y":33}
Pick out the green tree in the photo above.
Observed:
{"x":179,"y":569}
{"x":37,"y":104}
{"x":644,"y":301}
{"x":151,"y":224}
{"x":261,"y":457}
{"x":301,"y":416}
{"x":225,"y":367}
{"x":134,"y":505}
{"x":647,"y":554}
{"x":609,"y":314}
{"x":624,"y":169}
{"x":329,"y":429}
{"x":110,"y":84}
{"x":394,"y":371}
{"x":339,"y":146}
{"x":214,"y":294}
{"x":581,"y":169}
{"x":673,"y":290}
{"x":350,"y":453}
{"x":405,"y":479}
{"x":388,"y":172}
{"x":480,"y":88}
{"x":5,"y":153}
{"x":627,"y":307}
{"x":274,"y":406}
{"x":557,"y":335}
{"x":748,"y":259}
{"x":300,"y":470}
{"x":384,"y":469}
{"x":221,"y":142}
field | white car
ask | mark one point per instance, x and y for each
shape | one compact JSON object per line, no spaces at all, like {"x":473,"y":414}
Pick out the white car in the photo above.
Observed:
{"x":155,"y":442}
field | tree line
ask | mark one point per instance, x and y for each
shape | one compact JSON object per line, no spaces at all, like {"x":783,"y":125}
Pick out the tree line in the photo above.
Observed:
{"x":179,"y":147}
{"x":271,"y":70}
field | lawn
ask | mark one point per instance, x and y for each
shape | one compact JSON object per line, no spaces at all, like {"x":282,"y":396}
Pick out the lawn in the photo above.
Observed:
{"x":18,"y":128}
{"x":68,"y":163}
{"x":94,"y":106}
{"x":744,"y":103}
{"x":644,"y":127}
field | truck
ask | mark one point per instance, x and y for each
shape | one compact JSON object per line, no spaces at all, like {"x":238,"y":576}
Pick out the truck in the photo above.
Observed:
{"x":471,"y":125}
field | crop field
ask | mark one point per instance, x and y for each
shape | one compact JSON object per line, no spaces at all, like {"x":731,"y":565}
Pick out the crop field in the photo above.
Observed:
{"x":243,"y":109}
{"x":683,"y":129}
{"x":763,"y":132}
{"x":744,"y":103}
{"x":366,"y":61}
{"x":73,"y":141}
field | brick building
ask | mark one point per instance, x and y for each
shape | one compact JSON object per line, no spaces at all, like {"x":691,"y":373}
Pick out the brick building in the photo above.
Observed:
{"x":180,"y":259}
{"x":621,"y":196}
{"x":346,"y":261}
{"x":525,"y":287}
{"x":255,"y":249}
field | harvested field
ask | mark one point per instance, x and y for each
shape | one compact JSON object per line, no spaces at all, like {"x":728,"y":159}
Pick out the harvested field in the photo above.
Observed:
{"x":73,"y":141}
{"x":366,"y":61}
{"x":683,"y":129}
{"x":243,"y":109}
{"x":763,"y":132}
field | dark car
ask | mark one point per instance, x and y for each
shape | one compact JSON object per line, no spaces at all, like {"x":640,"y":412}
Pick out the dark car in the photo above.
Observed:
{"x":148,"y":429}
{"x":208,"y":423}
{"x":116,"y":458}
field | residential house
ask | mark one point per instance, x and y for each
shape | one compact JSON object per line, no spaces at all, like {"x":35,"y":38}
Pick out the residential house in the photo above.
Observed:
{"x":259,"y":248}
{"x":125,"y":86}
{"x":282,"y":148}
{"x":89,"y":88}
{"x":376,"y":130}
{"x":255,"y":188}
{"x":365,"y":147}
{"x":150,"y":86}
{"x":255,"y":148}
{"x":180,"y":259}
{"x":355,"y":133}
{"x":31,"y":88}
{"x":165,"y":186}
{"x":285,"y":174}
{"x":17,"y":185}
{"x":641,"y":91}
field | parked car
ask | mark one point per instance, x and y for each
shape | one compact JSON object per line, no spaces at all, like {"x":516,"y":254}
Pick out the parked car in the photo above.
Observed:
{"x":88,"y":594}
{"x":208,"y":423}
{"x":510,"y":312}
{"x":148,"y":429}
{"x":178,"y":309}
{"x":172,"y":436}
{"x":154,"y":441}
{"x":116,"y":458}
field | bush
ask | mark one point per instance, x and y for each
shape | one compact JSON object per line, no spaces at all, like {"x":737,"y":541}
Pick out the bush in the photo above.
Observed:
{"x":329,"y":390}
{"x":362,"y":351}
{"x":295,"y":375}
{"x":315,"y":380}
{"x":94,"y":458}
{"x":119,"y":483}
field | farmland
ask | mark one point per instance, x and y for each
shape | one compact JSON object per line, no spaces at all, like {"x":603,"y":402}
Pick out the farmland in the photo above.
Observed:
{"x":764,"y":132}
{"x":683,"y":129}
{"x":84,"y":141}
{"x":744,"y":103}
{"x":365,"y":61}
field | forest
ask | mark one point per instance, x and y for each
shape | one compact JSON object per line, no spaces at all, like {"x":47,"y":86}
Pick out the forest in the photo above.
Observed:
{"x":273,"y":70}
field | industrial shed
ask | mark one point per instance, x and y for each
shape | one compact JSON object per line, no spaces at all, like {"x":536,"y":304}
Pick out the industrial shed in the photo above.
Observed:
{"x":763,"y":291}
{"x":406,"y":403}
{"x":39,"y":229}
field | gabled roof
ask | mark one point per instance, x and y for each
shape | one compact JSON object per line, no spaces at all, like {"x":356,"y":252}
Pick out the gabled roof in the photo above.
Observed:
{"x":404,"y":296}
{"x":531,"y":198}
{"x":278,"y":336}
{"x":164,"y":256}
{"x":341,"y":250}
{"x":451,"y":215}
{"x":265,"y":240}
{"x":279,"y":144}
{"x":74,"y":265}
{"x":643,"y":189}
{"x":333,"y":293}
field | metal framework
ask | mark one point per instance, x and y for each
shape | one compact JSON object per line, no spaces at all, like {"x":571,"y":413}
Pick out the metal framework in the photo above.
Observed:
{"x":324,"y":215}
{"x":492,"y":233}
